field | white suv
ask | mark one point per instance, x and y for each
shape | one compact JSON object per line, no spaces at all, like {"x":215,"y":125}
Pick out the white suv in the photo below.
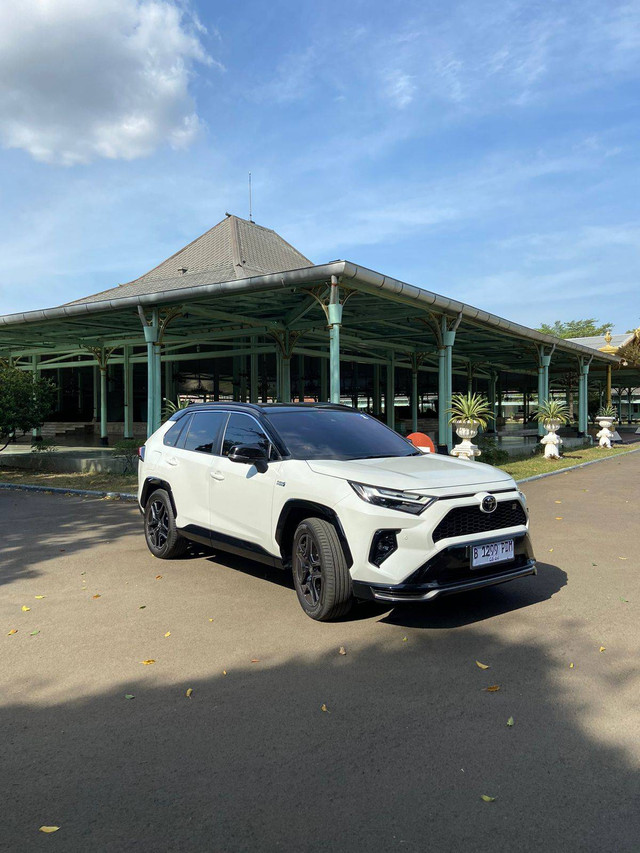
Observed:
{"x":344,"y":502}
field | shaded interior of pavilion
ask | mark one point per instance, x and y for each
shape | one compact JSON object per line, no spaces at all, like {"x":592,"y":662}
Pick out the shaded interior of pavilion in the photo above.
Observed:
{"x":241,"y":315}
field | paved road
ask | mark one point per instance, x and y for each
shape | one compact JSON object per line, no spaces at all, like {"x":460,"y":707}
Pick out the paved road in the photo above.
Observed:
{"x":410,"y":741}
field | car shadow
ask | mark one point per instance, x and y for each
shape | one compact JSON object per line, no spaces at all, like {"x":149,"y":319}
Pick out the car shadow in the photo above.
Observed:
{"x":465,"y":608}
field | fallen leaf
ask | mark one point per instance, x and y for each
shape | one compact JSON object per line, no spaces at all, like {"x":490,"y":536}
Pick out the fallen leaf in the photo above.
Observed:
{"x":129,"y":696}
{"x":550,"y":550}
{"x":488,"y":799}
{"x":25,"y":609}
{"x":559,"y":517}
{"x":168,"y":634}
{"x":342,"y":650}
{"x":82,"y":573}
{"x":49,"y":829}
{"x":558,"y":502}
{"x":189,"y":692}
{"x":510,"y":722}
{"x":142,"y":607}
{"x":255,"y":660}
{"x":12,"y":631}
{"x":158,"y":577}
{"x":148,"y":662}
{"x":97,"y":595}
{"x":33,"y":633}
{"x":603,"y":648}
{"x":482,"y":665}
{"x":493,"y":688}
{"x":570,"y":666}
{"x":39,"y":597}
{"x":594,"y":564}
{"x":324,"y":708}
{"x":224,"y":671}
{"x":626,"y":600}
{"x":210,"y":620}
{"x":404,"y":639}
{"x":622,"y":558}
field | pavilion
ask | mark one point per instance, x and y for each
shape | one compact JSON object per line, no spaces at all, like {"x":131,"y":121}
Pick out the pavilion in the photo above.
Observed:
{"x":240,"y":311}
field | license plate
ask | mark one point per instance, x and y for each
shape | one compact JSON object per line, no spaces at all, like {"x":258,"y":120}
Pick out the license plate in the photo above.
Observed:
{"x":493,"y":552}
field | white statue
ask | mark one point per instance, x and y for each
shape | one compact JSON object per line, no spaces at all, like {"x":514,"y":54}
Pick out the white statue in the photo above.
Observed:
{"x":605,"y":435}
{"x":551,"y":442}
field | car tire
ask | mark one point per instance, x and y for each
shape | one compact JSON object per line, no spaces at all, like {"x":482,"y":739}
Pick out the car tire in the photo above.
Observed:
{"x":160,"y":531}
{"x":320,"y":572}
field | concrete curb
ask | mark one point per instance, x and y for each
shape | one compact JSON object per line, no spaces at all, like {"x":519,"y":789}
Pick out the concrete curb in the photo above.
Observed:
{"x":575,"y":467}
{"x":88,"y":493}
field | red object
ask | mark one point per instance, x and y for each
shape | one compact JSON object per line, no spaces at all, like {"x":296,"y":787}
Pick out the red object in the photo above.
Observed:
{"x":419,"y":439}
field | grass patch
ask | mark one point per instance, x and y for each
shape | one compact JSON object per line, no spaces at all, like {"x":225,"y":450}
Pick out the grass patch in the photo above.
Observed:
{"x":521,"y":468}
{"x":104,"y":482}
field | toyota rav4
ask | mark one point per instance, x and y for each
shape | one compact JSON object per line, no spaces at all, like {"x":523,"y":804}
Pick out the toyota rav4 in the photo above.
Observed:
{"x":346,"y":504}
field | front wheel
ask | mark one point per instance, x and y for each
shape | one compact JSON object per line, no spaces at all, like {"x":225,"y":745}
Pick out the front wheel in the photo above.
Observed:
{"x":160,"y":531}
{"x":320,"y":573}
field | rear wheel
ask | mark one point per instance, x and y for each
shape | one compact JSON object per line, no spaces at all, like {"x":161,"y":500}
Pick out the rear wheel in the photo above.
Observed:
{"x":320,"y":573}
{"x":160,"y":531}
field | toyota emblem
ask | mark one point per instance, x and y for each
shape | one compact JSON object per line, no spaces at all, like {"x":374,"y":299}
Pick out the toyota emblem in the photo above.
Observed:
{"x":488,"y":503}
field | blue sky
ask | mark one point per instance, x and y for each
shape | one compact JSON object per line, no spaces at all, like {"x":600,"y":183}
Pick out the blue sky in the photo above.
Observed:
{"x":484,"y":150}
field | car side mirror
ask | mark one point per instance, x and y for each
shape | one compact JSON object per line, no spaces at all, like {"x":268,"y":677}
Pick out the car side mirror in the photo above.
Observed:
{"x":250,"y":454}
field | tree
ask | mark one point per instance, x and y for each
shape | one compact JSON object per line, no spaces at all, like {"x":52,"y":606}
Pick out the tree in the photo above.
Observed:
{"x":25,"y":401}
{"x":575,"y":328}
{"x":630,"y":352}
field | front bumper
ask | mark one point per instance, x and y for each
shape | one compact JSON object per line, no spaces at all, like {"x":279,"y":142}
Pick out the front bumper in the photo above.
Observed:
{"x":450,"y":572}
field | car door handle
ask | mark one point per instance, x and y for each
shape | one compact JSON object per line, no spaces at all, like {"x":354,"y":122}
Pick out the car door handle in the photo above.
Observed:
{"x":172,"y":460}
{"x":217,"y":475}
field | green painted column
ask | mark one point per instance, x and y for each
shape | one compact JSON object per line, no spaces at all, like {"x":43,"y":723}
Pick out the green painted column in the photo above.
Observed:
{"x":335,"y":321}
{"x":324,"y":380}
{"x":96,"y":393}
{"x":37,"y":432}
{"x":543,"y":386}
{"x":285,"y":365}
{"x":301,"y":379}
{"x":449,"y":340}
{"x":583,"y":400}
{"x":377,"y":397}
{"x":151,"y":333}
{"x":253,"y":377}
{"x":127,"y":371}
{"x":157,"y":391}
{"x":390,"y":397}
{"x":442,"y":397}
{"x":491,"y":396}
{"x":414,"y":399}
{"x":104,"y":434}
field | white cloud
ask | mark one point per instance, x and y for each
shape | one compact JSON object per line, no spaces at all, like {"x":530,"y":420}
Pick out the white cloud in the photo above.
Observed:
{"x":399,"y":88}
{"x":88,"y":79}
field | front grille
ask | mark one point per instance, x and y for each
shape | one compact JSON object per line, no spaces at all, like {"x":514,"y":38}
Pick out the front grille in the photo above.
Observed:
{"x":468,"y":520}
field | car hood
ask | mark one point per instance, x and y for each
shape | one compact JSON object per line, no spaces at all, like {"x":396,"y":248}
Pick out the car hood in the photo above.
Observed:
{"x":432,"y":473}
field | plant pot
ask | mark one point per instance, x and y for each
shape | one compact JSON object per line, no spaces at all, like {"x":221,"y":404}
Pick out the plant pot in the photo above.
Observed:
{"x":552,"y":425}
{"x":466,"y":429}
{"x":606,"y":422}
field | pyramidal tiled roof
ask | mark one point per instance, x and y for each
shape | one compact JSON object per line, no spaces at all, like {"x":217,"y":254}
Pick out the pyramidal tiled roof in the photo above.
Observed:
{"x":233,"y":249}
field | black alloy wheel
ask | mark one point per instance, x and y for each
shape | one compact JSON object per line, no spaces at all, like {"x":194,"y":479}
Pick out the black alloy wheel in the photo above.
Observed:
{"x":160,"y":531}
{"x":320,"y":572}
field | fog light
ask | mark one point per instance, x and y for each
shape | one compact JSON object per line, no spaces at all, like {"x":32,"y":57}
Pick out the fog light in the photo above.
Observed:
{"x":383,"y":545}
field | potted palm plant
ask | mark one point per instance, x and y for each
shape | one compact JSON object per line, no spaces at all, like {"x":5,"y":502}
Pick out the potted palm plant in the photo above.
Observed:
{"x":606,"y":416}
{"x":468,"y":413}
{"x":553,"y":414}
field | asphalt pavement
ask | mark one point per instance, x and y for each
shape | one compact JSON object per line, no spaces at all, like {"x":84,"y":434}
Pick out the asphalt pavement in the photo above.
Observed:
{"x":286,"y":744}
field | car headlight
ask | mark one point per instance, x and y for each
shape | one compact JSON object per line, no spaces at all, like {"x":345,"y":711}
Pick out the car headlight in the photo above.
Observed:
{"x":392,"y":499}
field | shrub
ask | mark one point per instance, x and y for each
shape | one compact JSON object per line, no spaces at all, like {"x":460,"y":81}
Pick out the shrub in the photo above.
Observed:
{"x":470,"y":407}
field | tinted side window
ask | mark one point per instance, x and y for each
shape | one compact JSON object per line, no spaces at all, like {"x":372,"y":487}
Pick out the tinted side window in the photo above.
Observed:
{"x":204,"y":432}
{"x":172,"y":436}
{"x":242,"y":429}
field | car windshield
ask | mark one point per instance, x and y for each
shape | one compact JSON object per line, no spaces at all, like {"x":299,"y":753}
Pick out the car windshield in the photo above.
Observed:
{"x":335,"y":434}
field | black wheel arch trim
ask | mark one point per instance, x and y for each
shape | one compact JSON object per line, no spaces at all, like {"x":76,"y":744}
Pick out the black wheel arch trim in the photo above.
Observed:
{"x":303,"y":508}
{"x":150,"y":485}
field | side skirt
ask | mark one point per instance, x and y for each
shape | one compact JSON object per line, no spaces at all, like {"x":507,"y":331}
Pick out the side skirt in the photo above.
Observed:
{"x":239,"y":547}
